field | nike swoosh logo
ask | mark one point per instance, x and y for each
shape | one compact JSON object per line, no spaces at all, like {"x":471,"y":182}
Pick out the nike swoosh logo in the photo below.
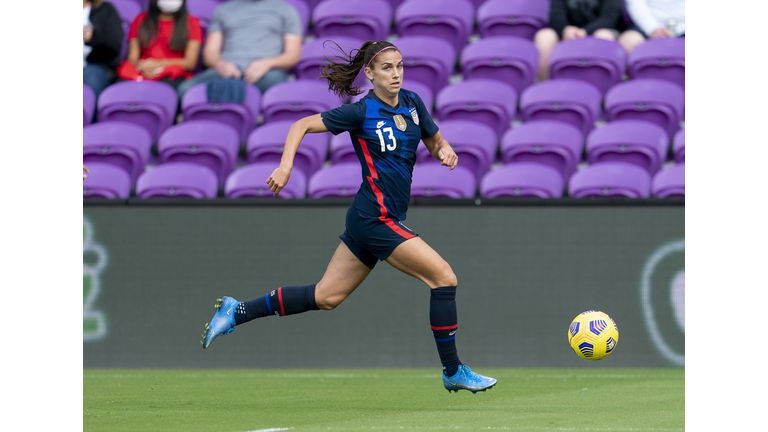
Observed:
{"x":230,"y":310}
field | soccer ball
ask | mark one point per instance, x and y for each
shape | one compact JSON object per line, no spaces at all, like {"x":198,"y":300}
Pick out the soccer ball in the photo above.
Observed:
{"x":593,"y":335}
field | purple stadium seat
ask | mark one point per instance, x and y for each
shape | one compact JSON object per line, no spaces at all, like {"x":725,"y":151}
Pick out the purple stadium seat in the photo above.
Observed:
{"x":424,"y":92}
{"x":150,"y":104}
{"x":342,"y":149}
{"x":106,"y":181}
{"x":242,"y":117}
{"x":450,"y":20}
{"x":669,"y":182}
{"x":202,"y":10}
{"x":547,"y":142}
{"x":508,"y":59}
{"x":430,"y":180}
{"x":313,"y":56}
{"x":427,"y":59}
{"x":204,"y":142}
{"x":521,"y":18}
{"x":632,"y":141}
{"x":361,"y":19}
{"x":474,"y":143}
{"x":647,"y":99}
{"x":250,"y":181}
{"x":678,"y":146}
{"x":610,"y":179}
{"x":522,"y":179}
{"x":336,"y":181}
{"x":564,"y":100}
{"x":127,"y":9}
{"x":294,"y":100}
{"x":122,"y":144}
{"x":659,"y":58}
{"x":597,"y":61}
{"x":177,"y":180}
{"x":89,"y":105}
{"x":265,"y":144}
{"x":302,"y":8}
{"x":482,"y":100}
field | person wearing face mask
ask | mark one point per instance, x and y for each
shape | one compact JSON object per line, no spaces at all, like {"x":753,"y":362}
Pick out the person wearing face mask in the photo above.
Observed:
{"x":256,"y":41}
{"x":163,"y":44}
{"x":102,"y":40}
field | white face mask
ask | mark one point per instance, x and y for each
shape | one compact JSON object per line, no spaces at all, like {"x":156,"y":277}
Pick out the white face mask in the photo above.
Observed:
{"x":169,"y":6}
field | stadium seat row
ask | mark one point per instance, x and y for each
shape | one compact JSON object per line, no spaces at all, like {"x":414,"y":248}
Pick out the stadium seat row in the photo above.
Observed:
{"x":557,"y":145}
{"x":525,"y":179}
{"x":153,"y":105}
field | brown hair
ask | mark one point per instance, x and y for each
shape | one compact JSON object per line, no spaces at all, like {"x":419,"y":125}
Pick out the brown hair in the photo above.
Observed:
{"x":341,"y":75}
{"x":149,"y":27}
{"x":96,"y":3}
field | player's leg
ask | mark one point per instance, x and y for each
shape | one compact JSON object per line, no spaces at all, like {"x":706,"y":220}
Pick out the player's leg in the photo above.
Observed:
{"x":344,"y":274}
{"x":416,"y":258}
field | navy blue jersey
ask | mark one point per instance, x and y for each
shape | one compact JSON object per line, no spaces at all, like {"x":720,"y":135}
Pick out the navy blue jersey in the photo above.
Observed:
{"x":385,"y":141}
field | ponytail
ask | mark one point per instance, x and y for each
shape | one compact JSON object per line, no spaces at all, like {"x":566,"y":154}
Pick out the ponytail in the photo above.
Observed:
{"x":341,"y":76}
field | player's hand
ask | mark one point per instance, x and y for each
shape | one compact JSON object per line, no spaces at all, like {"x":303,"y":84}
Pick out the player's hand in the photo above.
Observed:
{"x":447,"y":157}
{"x":227,"y":69}
{"x":660,"y":33}
{"x":256,"y":70}
{"x":278,"y":179}
{"x":86,"y":170}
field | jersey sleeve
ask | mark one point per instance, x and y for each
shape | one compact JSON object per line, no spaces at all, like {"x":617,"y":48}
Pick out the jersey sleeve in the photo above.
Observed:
{"x":427,"y":125}
{"x":292,"y":22}
{"x":216,"y":24}
{"x":194,"y":29}
{"x":133,"y":32}
{"x":348,"y":117}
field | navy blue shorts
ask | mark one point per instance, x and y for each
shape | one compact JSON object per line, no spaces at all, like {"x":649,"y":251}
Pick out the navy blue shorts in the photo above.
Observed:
{"x":372,"y":238}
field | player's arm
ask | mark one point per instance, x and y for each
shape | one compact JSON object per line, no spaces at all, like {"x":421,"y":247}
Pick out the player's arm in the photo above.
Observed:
{"x":281,"y":174}
{"x":441,"y":150}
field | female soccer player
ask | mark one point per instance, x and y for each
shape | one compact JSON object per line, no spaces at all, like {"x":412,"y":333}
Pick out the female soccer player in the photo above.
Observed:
{"x":386,"y":127}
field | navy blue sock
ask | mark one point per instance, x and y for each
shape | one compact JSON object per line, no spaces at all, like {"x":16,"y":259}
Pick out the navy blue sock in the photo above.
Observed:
{"x":445,"y":323}
{"x":283,"y":301}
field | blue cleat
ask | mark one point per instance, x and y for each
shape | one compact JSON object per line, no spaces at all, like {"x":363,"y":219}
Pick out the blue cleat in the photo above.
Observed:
{"x":223,"y":321}
{"x":465,"y":379}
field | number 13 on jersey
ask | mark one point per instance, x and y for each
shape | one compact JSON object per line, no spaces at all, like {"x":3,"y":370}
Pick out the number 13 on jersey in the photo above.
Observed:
{"x":392,"y":145}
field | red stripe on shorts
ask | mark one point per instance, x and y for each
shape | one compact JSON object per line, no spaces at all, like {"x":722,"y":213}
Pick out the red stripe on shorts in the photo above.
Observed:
{"x":380,"y":195}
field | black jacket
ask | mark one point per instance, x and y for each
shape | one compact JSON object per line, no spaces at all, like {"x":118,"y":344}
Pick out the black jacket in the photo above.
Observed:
{"x":590,"y":15}
{"x":107,"y":39}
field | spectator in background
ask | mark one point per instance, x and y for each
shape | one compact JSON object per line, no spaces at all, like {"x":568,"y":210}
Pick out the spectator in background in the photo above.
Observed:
{"x":257,"y":41}
{"x":163,"y":44}
{"x":653,"y":19}
{"x":575,"y":19}
{"x":102,"y":40}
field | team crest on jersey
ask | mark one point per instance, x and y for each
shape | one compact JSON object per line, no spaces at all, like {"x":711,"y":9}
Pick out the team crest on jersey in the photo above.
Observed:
{"x":399,"y":122}
{"x":415,"y":116}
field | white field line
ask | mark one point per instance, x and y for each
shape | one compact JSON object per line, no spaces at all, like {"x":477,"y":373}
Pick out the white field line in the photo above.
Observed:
{"x":542,"y":428}
{"x":271,"y":430}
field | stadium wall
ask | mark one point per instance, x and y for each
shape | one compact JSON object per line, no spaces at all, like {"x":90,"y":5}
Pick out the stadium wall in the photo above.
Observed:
{"x":153,"y":269}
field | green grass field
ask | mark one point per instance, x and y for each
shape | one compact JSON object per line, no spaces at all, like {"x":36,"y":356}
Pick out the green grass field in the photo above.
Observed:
{"x":347,"y":400}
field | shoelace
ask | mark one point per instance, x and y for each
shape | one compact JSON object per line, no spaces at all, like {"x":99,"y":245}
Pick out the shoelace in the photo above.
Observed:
{"x":472,"y":376}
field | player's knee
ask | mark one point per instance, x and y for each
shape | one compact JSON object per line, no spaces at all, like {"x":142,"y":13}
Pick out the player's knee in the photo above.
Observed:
{"x":445,"y":276}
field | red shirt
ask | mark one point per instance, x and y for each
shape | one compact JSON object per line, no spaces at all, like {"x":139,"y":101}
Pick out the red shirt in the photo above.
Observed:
{"x":158,"y":47}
